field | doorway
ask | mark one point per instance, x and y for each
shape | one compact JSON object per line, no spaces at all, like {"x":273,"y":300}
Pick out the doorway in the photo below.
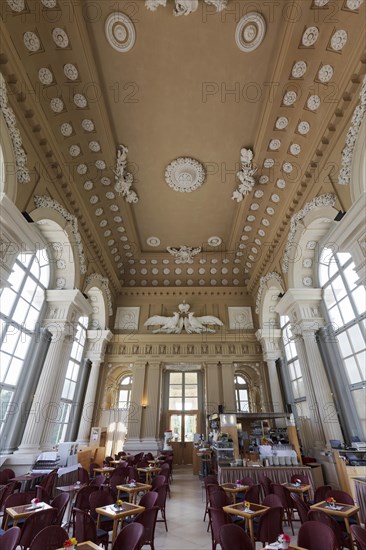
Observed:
{"x":183,"y":426}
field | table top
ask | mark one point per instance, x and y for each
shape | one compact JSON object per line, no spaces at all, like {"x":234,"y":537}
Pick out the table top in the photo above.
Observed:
{"x":71,"y":488}
{"x":87,"y":545}
{"x":342,"y":510}
{"x":136,"y":487}
{"x":25,"y":510}
{"x":26,"y":477}
{"x":117,"y":461}
{"x":149,"y":469}
{"x":126,"y":509}
{"x":303,"y":488}
{"x":234,"y":488}
{"x":239,"y":510}
{"x":106,"y":469}
{"x":291,"y":547}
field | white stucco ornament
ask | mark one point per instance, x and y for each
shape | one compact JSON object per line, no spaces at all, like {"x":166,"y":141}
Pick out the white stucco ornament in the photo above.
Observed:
{"x":185,"y":174}
{"x":124,"y":179}
{"x":184,"y":254}
{"x":245,"y":175}
{"x":120,"y":32}
{"x":250,"y":32}
{"x":185,"y":7}
{"x":183,"y":320}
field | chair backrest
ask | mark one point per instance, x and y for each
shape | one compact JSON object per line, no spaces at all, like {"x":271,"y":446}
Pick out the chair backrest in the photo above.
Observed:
{"x":35,"y":523}
{"x":116,"y":480}
{"x":148,"y":500}
{"x":218,"y":499}
{"x":107,"y":460}
{"x":270,"y":525}
{"x":85,"y":527}
{"x":15,"y":499}
{"x":321,"y":493}
{"x":147,"y":518}
{"x":265,"y":483}
{"x":252,"y":494}
{"x":5,"y":475}
{"x":218,"y":518}
{"x":301,"y":507}
{"x":162,"y":492}
{"x":60,"y":502}
{"x":120,"y":471}
{"x":272,"y":500}
{"x":210,"y":480}
{"x":99,"y":499}
{"x":49,"y":538}
{"x":304,"y":478}
{"x":157,"y":482}
{"x":319,"y":515}
{"x":9,"y":540}
{"x":246,"y":480}
{"x":98,"y":481}
{"x":91,"y":468}
{"x":42,"y":494}
{"x":6,"y":490}
{"x":82,"y":497}
{"x":130,"y":537}
{"x":341,"y":496}
{"x":312,"y":532}
{"x":284,"y":495}
{"x":133,"y":473}
{"x":359,"y":534}
{"x":83,"y":475}
{"x":48,"y":483}
{"x":234,"y":537}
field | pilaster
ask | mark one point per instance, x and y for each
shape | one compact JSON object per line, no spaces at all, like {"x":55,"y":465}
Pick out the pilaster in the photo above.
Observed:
{"x":135,"y":411}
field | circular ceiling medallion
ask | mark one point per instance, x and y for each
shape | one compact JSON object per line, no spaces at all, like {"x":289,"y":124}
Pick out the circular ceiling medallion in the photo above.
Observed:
{"x":310,"y":36}
{"x":281,"y":184}
{"x":289,"y":98}
{"x":268,"y":163}
{"x":110,"y":196}
{"x":88,"y":185}
{"x":281,"y":123}
{"x":338,"y":40}
{"x":82,"y":169}
{"x":250,"y":32}
{"x":66,"y":129}
{"x":313,"y":102}
{"x":274,"y":144}
{"x":303,"y":127}
{"x":49,"y":3}
{"x":153,"y":241}
{"x":87,"y":125}
{"x":263,"y":180}
{"x":354,"y":4}
{"x":105,"y":181}
{"x":299,"y":69}
{"x":31,"y":41}
{"x":295,"y":149}
{"x":16,"y":5}
{"x":275,"y":197}
{"x":214,"y":241}
{"x":57,"y":105}
{"x":325,"y":73}
{"x":258,"y":194}
{"x":251,"y":218}
{"x":185,"y":174}
{"x":74,"y":150}
{"x":100,"y":164}
{"x":70,"y":71}
{"x":94,"y":146}
{"x":80,"y":101}
{"x":120,"y":32}
{"x":45,"y":76}
{"x":60,"y":38}
{"x":287,"y":167}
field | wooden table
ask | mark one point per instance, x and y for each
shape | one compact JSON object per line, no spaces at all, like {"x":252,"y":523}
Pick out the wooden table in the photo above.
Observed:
{"x":87,"y":545}
{"x":345,"y":513}
{"x":23,"y":511}
{"x":26,"y":480}
{"x":72,"y":490}
{"x":133,"y":490}
{"x":126,"y":509}
{"x":149,"y":472}
{"x":105,"y":471}
{"x":239,"y":510}
{"x":233,"y":489}
{"x":116,"y":462}
{"x":299,"y":489}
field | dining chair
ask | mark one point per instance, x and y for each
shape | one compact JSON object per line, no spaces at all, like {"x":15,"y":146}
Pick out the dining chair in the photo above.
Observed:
{"x":269,"y":526}
{"x":287,"y":502}
{"x":271,"y":501}
{"x":161,"y":502}
{"x":49,"y":538}
{"x":233,"y":537}
{"x":91,"y":469}
{"x":157,"y":481}
{"x":83,"y":475}
{"x":148,"y":518}
{"x":34,"y":523}
{"x":359,"y":534}
{"x":301,"y":506}
{"x":82,"y":497}
{"x":9,"y":539}
{"x":218,"y":518}
{"x":60,"y":502}
{"x":321,"y":493}
{"x":208,"y":480}
{"x":15,"y":499}
{"x":85,"y":528}
{"x":99,"y":499}
{"x":148,"y":500}
{"x":130,"y":537}
{"x":266,"y":483}
{"x":42,"y":494}
{"x":312,"y":532}
{"x":341,"y":536}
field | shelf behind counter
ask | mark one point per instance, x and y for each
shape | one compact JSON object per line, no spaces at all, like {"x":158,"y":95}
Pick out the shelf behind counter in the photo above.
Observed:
{"x":278,"y":474}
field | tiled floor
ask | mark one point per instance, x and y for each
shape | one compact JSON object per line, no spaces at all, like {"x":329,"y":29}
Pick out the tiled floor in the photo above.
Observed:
{"x":184,"y":512}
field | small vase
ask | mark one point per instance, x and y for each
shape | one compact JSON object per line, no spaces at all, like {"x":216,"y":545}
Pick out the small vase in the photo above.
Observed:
{"x":283,"y":546}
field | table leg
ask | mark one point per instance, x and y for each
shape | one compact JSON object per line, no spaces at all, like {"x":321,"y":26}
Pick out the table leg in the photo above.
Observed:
{"x":114,"y":532}
{"x":98,"y":522}
{"x":251,"y":531}
{"x":130,"y":496}
{"x":351,"y":545}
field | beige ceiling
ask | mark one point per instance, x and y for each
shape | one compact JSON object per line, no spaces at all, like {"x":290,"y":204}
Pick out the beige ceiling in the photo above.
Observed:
{"x":153,"y":100}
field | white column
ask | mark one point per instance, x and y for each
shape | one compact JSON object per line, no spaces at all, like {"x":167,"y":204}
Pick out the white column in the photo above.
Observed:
{"x":270,"y":342}
{"x":228,"y":386}
{"x":95,"y":351}
{"x":134,"y":441}
{"x":151,"y":408}
{"x":64,"y":308}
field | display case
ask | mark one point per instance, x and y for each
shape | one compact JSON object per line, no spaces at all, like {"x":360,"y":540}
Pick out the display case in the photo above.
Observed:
{"x":223,"y":453}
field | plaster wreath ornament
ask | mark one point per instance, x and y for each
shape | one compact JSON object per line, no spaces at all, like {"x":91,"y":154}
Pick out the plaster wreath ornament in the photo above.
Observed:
{"x":183,"y":320}
{"x":16,"y":140}
{"x":185,"y":174}
{"x":184,"y":254}
{"x":245,"y":175}
{"x":185,"y":7}
{"x":123,"y":180}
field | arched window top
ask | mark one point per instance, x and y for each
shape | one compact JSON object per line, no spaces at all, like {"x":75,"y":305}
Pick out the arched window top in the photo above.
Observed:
{"x":124,"y":391}
{"x":126,"y":380}
{"x":241,"y":393}
{"x":240,"y":380}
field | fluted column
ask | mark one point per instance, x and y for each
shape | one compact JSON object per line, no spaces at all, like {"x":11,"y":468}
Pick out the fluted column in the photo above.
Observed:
{"x":270,"y":342}
{"x":133,"y":442}
{"x":95,"y":351}
{"x":151,"y":407}
{"x":213,"y":388}
{"x":63,"y":309}
{"x":228,"y":387}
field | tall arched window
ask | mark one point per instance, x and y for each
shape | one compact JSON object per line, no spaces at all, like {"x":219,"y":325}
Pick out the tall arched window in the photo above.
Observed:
{"x":241,"y":393}
{"x":124,"y":392}
{"x":345,"y":301}
{"x":21,"y":306}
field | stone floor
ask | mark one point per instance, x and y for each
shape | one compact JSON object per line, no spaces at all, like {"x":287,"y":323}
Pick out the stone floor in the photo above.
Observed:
{"x":184,"y":512}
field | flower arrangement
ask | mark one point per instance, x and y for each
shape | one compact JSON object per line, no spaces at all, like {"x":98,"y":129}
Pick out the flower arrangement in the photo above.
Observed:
{"x":132,"y":482}
{"x":119,"y":502}
{"x":238,"y":482}
{"x":298,"y":481}
{"x":331,"y":501}
{"x":284,"y":540}
{"x":69,"y":543}
{"x":246,"y":504}
{"x":34,"y":501}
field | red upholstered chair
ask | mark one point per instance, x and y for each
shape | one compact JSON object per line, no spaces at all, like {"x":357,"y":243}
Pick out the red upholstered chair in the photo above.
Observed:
{"x":85,"y":528}
{"x":218,"y":518}
{"x":130,"y":537}
{"x":272,"y":500}
{"x":60,"y":502}
{"x":234,"y":537}
{"x":148,"y":500}
{"x":148,"y":519}
{"x":9,"y":540}
{"x":341,"y":536}
{"x":269,"y":525}
{"x":321,"y":493}
{"x":34,"y":524}
{"x":49,"y":538}
{"x":359,"y":534}
{"x":312,"y":532}
{"x":301,"y":507}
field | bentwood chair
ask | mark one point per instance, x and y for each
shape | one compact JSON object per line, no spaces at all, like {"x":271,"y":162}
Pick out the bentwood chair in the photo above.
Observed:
{"x":341,"y":536}
{"x":359,"y":534}
{"x":234,"y":537}
{"x":312,"y":532}
{"x":49,"y":538}
{"x":34,"y":524}
{"x":217,"y":518}
{"x":148,"y":518}
{"x":269,"y":525}
{"x":85,"y":528}
{"x":10,"y":538}
{"x":130,"y":537}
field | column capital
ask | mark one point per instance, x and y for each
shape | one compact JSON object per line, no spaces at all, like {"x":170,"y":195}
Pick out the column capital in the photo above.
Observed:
{"x":270,"y":339}
{"x":302,"y":305}
{"x":66,"y":305}
{"x":96,"y":343}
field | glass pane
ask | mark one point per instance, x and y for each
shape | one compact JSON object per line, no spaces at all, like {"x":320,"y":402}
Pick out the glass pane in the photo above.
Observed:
{"x":329,"y":297}
{"x":176,"y":427}
{"x":35,"y":269}
{"x":352,"y":370}
{"x":126,"y":381}
{"x":244,"y":406}
{"x":339,"y":288}
{"x":7,"y":299}
{"x":361,"y":359}
{"x":190,"y":391}
{"x":45,"y":275}
{"x":38,"y":298}
{"x":175,"y":378}
{"x":297,"y":369}
{"x":335,"y":317}
{"x":175,"y":404}
{"x":359,"y":297}
{"x":190,"y":378}
{"x":240,"y":381}
{"x":190,"y":427}
{"x":66,"y":389}
{"x":79,"y":353}
{"x":10,"y":339}
{"x":344,"y":345}
{"x":175,"y":391}
{"x":343,"y":257}
{"x":32,"y":318}
{"x":347,"y":310}
{"x":351,"y":276}
{"x":13,"y":373}
{"x":28,"y":289}
{"x":191,"y":404}
{"x":123,"y":396}
{"x":4,"y":363}
{"x":323,"y":274}
{"x":16,"y":277}
{"x":21,"y":311}
{"x":5,"y":398}
{"x":356,"y":337}
{"x":22,"y":346}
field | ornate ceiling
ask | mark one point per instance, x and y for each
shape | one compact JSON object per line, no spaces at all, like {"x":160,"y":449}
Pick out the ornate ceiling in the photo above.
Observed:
{"x":176,"y":100}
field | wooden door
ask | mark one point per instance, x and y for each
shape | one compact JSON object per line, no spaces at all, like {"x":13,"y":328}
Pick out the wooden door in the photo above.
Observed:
{"x":183,"y":426}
